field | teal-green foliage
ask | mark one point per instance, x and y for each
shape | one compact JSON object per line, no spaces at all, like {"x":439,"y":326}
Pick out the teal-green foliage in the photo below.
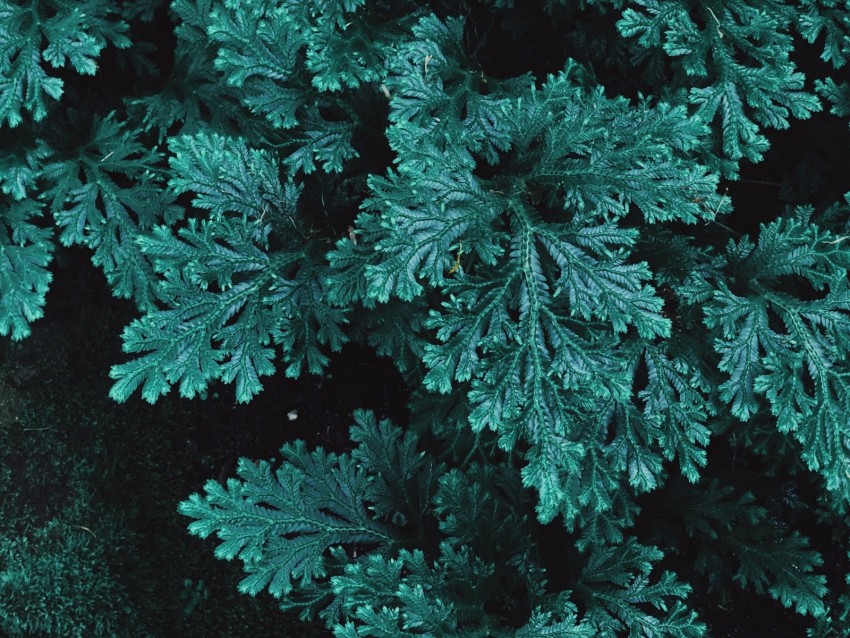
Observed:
{"x":297,"y":529}
{"x":551,"y":259}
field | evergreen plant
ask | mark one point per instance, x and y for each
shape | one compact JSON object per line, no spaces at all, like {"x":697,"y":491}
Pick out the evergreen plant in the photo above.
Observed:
{"x":629,"y":386}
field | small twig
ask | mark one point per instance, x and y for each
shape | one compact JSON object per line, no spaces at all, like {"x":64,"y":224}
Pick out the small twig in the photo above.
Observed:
{"x":720,"y":204}
{"x":84,"y":528}
{"x":719,"y":32}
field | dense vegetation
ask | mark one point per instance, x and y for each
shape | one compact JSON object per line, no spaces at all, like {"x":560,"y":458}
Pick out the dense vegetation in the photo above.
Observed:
{"x":498,"y":319}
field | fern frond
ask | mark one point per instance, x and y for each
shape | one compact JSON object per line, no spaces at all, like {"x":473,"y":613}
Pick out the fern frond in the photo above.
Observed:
{"x":74,"y":33}
{"x":26,"y":250}
{"x":105,"y":197}
{"x":281,"y":523}
{"x":616,"y":586}
{"x":225,"y":295}
{"x":797,"y":363}
{"x":734,"y":59}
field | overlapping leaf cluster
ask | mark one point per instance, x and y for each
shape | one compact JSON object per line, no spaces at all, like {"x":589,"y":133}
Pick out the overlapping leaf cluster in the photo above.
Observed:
{"x":350,"y":537}
{"x":778,"y":340}
{"x":227,"y":296}
{"x":534,"y":260}
{"x":740,"y":55}
{"x":75,"y":35}
{"x":547,"y":262}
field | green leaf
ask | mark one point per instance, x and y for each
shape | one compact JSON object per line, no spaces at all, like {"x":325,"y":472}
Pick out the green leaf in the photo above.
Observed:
{"x":561,"y":624}
{"x":617,"y":588}
{"x":227,"y":176}
{"x":342,"y":56}
{"x":405,"y":479}
{"x":105,"y":197}
{"x":207,"y":334}
{"x":741,"y":540}
{"x":676,"y":392}
{"x":426,"y":232}
{"x":305,"y":321}
{"x":225,"y":297}
{"x":320,"y":140}
{"x":258,"y":47}
{"x":786,"y":574}
{"x":827,"y":19}
{"x":21,"y":166}
{"x":74,"y":33}
{"x":797,"y":362}
{"x":282,"y":523}
{"x":733,"y":58}
{"x":25,"y":252}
